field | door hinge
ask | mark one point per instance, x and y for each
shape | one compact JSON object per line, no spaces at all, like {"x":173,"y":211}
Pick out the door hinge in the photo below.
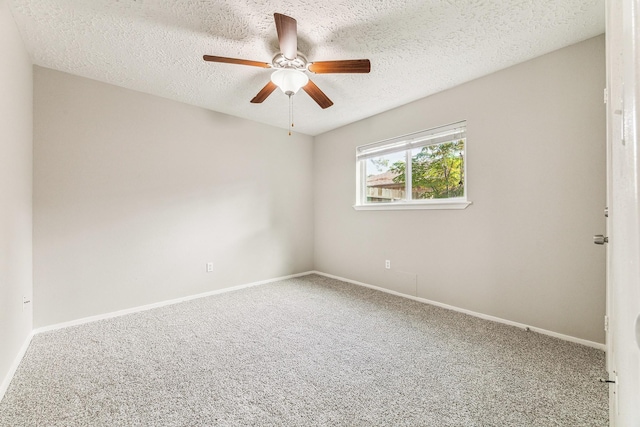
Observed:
{"x":606,"y":323}
{"x":606,"y":95}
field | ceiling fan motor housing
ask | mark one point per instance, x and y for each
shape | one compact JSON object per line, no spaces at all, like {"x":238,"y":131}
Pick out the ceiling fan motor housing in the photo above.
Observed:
{"x":299,"y":63}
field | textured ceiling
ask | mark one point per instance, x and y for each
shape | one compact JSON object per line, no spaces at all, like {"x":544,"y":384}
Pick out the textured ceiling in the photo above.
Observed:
{"x":416,"y":47}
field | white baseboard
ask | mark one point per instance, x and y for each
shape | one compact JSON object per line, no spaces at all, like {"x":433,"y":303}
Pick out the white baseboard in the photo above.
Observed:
{"x":569,"y":338}
{"x":262,"y":282}
{"x":160,"y":304}
{"x":14,"y":366}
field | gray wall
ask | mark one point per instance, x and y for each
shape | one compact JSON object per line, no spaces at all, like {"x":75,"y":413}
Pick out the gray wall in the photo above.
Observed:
{"x":16,"y":124}
{"x":134,"y":194}
{"x":536,"y":175}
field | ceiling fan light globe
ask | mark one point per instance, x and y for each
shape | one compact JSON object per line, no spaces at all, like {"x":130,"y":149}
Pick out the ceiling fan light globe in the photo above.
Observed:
{"x":289,"y":80}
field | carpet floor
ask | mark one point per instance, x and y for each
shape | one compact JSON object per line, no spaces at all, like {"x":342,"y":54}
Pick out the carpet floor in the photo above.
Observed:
{"x":310,"y":351}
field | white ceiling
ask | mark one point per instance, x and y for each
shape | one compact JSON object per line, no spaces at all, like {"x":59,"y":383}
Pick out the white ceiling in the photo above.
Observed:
{"x":416,"y":47}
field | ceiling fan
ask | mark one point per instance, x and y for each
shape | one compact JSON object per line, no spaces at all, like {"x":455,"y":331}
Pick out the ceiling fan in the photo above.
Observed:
{"x":291,"y":67}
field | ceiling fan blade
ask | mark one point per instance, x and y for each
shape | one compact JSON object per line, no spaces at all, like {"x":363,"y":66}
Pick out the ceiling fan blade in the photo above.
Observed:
{"x":236,"y":61}
{"x":346,"y":66}
{"x":317,"y":95}
{"x":287,"y":29}
{"x":264,"y":93}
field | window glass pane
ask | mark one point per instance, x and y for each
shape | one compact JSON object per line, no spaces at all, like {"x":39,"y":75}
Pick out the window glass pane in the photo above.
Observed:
{"x":385,"y":178}
{"x":438,"y":171}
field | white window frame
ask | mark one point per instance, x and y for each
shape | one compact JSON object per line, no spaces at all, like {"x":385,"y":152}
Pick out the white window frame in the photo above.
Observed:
{"x":407,"y":143}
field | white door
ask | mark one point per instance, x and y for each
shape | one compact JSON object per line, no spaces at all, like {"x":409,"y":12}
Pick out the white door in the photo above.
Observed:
{"x":614,"y":133}
{"x":623,"y":307}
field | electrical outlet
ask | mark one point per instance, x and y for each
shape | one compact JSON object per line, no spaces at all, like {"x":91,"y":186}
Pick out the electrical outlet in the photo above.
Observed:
{"x":209,"y":267}
{"x":387,"y":264}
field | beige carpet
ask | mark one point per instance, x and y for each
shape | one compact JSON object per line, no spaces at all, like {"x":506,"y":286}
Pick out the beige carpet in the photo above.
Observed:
{"x":310,"y":351}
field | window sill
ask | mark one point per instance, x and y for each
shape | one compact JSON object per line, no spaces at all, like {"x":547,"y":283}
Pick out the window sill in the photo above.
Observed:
{"x":445,"y":204}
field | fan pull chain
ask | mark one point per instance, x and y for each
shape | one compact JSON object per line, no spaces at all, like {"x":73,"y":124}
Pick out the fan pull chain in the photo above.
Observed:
{"x":290,"y":114}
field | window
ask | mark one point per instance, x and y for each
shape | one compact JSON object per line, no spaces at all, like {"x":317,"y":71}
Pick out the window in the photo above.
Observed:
{"x":423,"y":170}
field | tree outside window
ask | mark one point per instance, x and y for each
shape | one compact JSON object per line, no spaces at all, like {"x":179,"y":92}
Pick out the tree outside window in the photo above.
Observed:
{"x":422,"y":170}
{"x":437,"y":171}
